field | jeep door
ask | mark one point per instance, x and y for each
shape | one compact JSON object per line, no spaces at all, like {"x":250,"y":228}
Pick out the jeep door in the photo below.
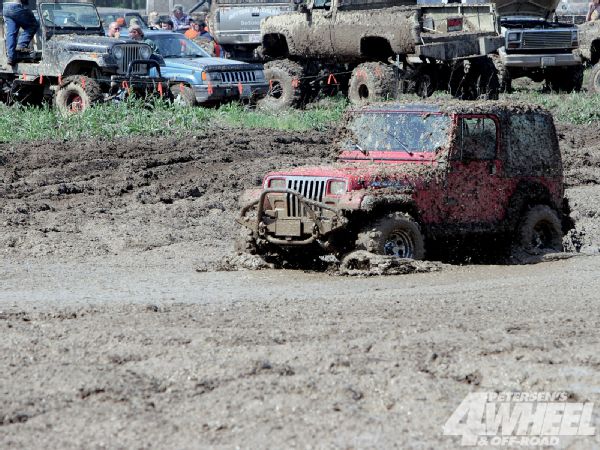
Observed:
{"x":476,"y":191}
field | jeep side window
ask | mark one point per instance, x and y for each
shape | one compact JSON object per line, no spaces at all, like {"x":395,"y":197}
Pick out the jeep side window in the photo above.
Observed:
{"x":322,"y":4}
{"x":477,"y":139}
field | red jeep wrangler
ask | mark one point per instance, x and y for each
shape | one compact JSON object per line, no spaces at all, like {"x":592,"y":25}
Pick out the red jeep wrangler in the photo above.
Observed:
{"x":410,"y":176}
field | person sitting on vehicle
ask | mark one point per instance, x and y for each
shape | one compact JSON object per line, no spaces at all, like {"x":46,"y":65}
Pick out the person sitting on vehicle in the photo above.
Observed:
{"x":114,"y":30}
{"x":181,"y":21}
{"x":137,"y":34}
{"x":17,"y":16}
{"x":594,"y":11}
{"x":154,"y":21}
{"x":167,"y":25}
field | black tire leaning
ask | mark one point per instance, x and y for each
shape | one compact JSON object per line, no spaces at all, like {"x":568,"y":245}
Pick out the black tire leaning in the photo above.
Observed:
{"x":183,"y":95}
{"x":594,"y":80}
{"x":396,"y":227}
{"x":504,"y":78}
{"x":370,"y":82}
{"x":540,"y":229}
{"x":569,"y":79}
{"x":285,"y":80}
{"x":76,"y":94}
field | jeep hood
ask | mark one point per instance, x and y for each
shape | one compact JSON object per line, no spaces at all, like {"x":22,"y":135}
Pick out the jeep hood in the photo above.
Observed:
{"x":531,"y":8}
{"x":202,"y":63}
{"x":79,"y":43}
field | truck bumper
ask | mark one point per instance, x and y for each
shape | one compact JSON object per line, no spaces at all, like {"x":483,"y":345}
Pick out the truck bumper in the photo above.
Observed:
{"x":539,"y":61}
{"x":280,"y":229}
{"x":222,"y":92}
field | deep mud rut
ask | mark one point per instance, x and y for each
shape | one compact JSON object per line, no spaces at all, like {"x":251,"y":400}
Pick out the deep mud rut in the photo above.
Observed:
{"x":113,"y":339}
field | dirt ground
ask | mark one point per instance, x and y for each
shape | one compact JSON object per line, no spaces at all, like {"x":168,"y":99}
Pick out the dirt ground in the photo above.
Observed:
{"x":113,"y":339}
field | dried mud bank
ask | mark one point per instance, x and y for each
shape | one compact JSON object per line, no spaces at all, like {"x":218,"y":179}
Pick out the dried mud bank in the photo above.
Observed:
{"x":178,"y":196}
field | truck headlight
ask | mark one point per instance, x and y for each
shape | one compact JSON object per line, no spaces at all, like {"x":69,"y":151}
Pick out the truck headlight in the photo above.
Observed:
{"x":145,"y":52}
{"x":336,"y":187}
{"x":277,"y":183}
{"x":117,"y":52}
{"x":513,"y":37}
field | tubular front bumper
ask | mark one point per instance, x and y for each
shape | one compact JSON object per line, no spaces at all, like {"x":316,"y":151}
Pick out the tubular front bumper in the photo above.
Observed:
{"x":286,"y":230}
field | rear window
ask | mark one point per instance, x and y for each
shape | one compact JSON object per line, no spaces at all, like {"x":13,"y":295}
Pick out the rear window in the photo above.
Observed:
{"x":532,"y":146}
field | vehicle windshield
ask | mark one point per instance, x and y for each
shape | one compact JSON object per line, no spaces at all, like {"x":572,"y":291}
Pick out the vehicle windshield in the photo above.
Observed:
{"x":69,"y":15}
{"x":175,"y":45}
{"x":385,"y":131}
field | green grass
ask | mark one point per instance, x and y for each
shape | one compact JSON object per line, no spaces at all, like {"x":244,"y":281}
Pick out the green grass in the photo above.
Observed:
{"x":18,"y":123}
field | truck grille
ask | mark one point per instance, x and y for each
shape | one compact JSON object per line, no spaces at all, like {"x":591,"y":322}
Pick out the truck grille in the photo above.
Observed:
{"x":239,"y":76}
{"x":547,"y":39}
{"x":131,"y":52}
{"x":309,"y":187}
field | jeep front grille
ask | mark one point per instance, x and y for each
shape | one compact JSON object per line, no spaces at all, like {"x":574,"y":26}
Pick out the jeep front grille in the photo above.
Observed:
{"x":310,"y":187}
{"x":547,"y":39}
{"x":131,"y":52}
{"x":238,"y":76}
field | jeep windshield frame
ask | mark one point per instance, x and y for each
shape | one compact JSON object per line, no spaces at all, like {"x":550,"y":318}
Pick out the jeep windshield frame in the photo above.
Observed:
{"x":69,"y":17}
{"x":392,"y":135}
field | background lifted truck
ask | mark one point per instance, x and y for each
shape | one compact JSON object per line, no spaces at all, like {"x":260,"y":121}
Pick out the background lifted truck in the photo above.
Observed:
{"x":74,"y":64}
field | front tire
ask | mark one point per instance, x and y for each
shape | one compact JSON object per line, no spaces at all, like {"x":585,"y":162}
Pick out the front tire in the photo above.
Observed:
{"x":539,"y":230}
{"x":183,"y":95}
{"x":285,"y":85}
{"x":76,"y":94}
{"x":568,"y":79}
{"x":396,"y":234}
{"x":594,"y":82}
{"x":371,"y":82}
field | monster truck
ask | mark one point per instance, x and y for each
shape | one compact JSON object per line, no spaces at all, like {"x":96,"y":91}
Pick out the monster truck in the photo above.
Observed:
{"x":374,"y":50}
{"x":589,"y":42}
{"x":74,"y":64}
{"x":537,"y":47}
{"x":413,"y":177}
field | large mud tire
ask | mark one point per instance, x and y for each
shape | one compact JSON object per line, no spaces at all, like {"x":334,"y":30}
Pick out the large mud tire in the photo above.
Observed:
{"x":183,"y":95}
{"x":245,"y":242}
{"x":396,"y":234}
{"x":426,"y":80}
{"x":594,"y":81}
{"x":568,"y":79}
{"x":474,"y":79}
{"x":371,"y":82}
{"x":76,"y":94}
{"x":540,"y":230}
{"x":285,"y":80}
{"x":504,"y":78}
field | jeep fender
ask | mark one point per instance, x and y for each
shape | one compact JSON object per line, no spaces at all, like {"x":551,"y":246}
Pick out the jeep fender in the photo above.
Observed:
{"x":373,"y":203}
{"x":274,"y":45}
{"x":81,"y":65}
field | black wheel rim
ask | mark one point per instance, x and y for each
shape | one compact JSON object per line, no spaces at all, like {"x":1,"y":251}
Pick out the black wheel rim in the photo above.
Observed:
{"x":542,"y":236}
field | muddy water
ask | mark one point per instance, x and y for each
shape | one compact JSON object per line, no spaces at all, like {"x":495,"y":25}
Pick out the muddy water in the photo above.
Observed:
{"x":111,"y":338}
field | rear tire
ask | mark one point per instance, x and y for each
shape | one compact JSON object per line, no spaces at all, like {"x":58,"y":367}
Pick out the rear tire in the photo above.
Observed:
{"x":76,"y":94}
{"x":539,"y":230}
{"x":285,"y":80}
{"x":396,"y":234}
{"x":371,"y":82}
{"x":568,"y":79}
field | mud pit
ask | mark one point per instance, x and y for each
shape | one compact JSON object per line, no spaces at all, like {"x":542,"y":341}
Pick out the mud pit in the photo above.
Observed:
{"x":111,"y":338}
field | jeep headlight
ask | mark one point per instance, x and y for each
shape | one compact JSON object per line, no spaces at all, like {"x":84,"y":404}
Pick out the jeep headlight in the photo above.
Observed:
{"x":276,"y":183}
{"x":336,"y":187}
{"x":514,"y":37}
{"x":145,"y":52}
{"x":117,"y":52}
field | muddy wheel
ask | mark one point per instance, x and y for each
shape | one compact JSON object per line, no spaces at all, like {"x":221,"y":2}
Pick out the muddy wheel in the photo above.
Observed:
{"x":371,"y":82}
{"x":504,"y":79}
{"x":76,"y":94}
{"x":594,"y":81}
{"x":569,"y":79}
{"x":396,"y":234}
{"x":425,"y":82}
{"x":245,"y":242}
{"x":285,"y":85}
{"x":474,"y":79}
{"x":540,"y":229}
{"x":183,"y":95}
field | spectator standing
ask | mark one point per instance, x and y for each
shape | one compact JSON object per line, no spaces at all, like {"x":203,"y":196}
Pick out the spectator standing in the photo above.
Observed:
{"x":167,"y":25}
{"x":137,"y":34}
{"x":154,"y":21}
{"x":181,"y":21}
{"x":593,"y":11}
{"x":200,"y":35}
{"x":17,"y":16}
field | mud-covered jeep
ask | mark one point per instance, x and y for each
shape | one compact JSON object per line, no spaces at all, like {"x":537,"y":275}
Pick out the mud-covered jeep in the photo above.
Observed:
{"x":74,"y":63}
{"x":412,"y":177}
